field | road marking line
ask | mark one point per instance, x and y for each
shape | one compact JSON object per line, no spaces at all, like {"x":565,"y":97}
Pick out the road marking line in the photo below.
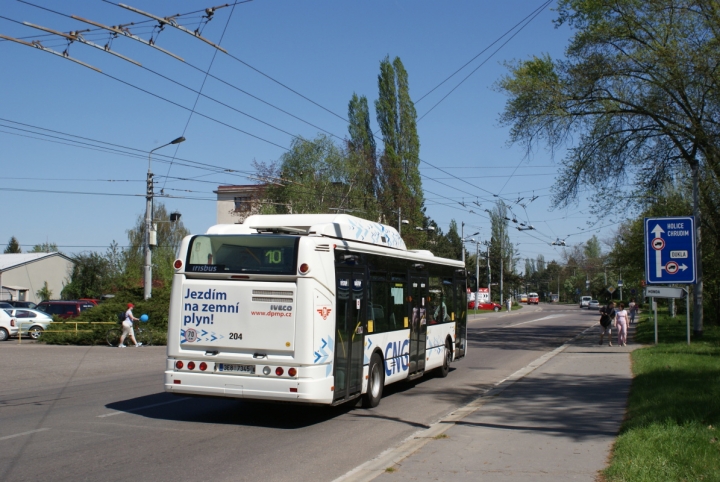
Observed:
{"x":24,"y":433}
{"x":375,"y":467}
{"x":533,"y":321}
{"x":142,"y":408}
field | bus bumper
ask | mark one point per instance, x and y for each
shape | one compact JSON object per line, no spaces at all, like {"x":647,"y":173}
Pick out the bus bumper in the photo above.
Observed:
{"x":256,"y":388}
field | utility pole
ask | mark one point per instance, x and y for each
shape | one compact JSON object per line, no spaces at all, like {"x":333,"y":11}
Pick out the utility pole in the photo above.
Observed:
{"x":147,"y":275}
{"x":462,"y":238}
{"x":501,"y":271}
{"x":477,"y":273}
{"x":488,"y":270}
{"x":399,"y":221}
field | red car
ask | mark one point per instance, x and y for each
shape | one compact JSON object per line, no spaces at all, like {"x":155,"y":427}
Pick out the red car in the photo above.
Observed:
{"x":484,"y":306}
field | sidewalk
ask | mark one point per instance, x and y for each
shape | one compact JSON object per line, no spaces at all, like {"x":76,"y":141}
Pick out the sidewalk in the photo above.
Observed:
{"x":558,"y":422}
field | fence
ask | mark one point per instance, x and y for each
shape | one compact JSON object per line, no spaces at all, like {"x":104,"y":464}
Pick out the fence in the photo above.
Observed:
{"x":65,"y":323}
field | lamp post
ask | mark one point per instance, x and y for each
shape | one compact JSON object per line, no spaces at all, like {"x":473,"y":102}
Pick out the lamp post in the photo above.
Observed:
{"x":147,"y":275}
{"x":464,"y":239}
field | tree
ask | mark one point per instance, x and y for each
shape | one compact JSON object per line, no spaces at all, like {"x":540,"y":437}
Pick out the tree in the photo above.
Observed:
{"x":45,"y":248}
{"x":400,"y":184}
{"x":13,"y":246}
{"x":638,"y":90}
{"x":44,"y":293}
{"x":362,"y":152}
{"x":316,"y":177}
{"x":169,"y":236}
{"x":88,"y":278}
{"x":501,"y":250}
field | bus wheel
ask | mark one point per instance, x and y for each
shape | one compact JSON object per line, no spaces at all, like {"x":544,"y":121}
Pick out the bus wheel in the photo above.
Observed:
{"x":444,"y":369}
{"x":376,"y":380}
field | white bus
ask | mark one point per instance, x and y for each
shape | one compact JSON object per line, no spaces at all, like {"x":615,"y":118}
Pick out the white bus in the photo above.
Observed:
{"x":314,"y":308}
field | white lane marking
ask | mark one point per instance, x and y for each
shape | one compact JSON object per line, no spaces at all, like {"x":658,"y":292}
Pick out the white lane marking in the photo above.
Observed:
{"x":23,"y":433}
{"x":533,"y":321}
{"x":142,"y":408}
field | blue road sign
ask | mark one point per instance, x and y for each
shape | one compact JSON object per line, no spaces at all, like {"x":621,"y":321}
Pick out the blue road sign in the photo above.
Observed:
{"x":670,"y":250}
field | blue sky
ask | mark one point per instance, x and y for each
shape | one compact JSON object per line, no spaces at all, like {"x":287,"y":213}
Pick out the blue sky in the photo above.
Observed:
{"x":323,"y":49}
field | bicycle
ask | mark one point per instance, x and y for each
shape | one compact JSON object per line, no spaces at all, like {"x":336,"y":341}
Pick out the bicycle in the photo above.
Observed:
{"x":142,"y":335}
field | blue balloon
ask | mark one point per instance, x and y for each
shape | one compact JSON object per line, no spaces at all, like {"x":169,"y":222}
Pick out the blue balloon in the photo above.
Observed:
{"x":143,"y":317}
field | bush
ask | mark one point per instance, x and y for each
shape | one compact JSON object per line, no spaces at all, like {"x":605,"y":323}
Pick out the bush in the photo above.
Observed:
{"x":89,"y":334}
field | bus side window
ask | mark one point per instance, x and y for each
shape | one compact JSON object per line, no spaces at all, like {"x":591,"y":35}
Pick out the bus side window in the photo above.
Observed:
{"x":379,"y":302}
{"x":448,"y":300}
{"x":397,"y":316}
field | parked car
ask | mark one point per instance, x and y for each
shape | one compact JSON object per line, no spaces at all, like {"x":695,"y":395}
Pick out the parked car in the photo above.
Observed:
{"x":594,"y":305}
{"x":8,"y":326}
{"x":585,"y":301}
{"x":488,"y":305}
{"x":22,"y":304}
{"x":533,"y":299}
{"x":64,"y":309}
{"x":5,"y":305}
{"x":30,"y":322}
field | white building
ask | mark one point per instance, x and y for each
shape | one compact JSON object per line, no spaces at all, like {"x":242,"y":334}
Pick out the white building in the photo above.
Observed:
{"x":23,"y":274}
{"x":236,"y":203}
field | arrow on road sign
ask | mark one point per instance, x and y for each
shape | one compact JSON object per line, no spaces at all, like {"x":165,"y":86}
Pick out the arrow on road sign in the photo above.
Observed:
{"x":658,"y":244}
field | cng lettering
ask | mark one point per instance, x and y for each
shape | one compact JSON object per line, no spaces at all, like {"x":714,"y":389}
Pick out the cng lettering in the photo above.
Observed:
{"x":397,"y":357}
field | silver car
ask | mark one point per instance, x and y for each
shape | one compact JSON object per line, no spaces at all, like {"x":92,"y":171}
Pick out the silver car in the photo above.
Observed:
{"x":30,"y":322}
{"x":594,"y":305}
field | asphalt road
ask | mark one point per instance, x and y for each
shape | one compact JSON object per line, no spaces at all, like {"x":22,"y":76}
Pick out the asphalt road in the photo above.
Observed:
{"x":89,"y":413}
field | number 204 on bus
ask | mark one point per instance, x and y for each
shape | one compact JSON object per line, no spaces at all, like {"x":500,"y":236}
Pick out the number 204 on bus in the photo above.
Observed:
{"x":313,"y":308}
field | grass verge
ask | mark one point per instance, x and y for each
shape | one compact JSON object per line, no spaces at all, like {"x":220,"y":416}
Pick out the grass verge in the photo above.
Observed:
{"x":671,"y":431}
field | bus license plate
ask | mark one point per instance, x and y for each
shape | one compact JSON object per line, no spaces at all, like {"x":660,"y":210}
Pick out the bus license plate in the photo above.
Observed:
{"x":227,"y":367}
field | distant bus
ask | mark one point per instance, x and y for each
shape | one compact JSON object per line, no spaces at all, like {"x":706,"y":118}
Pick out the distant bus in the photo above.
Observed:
{"x":317,"y":308}
{"x":533,"y":298}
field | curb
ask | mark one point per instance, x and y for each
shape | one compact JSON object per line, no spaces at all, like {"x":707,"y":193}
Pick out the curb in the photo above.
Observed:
{"x":394,"y":455}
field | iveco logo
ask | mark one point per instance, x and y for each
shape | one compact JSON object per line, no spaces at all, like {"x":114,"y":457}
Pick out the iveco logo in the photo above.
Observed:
{"x":281,"y":307}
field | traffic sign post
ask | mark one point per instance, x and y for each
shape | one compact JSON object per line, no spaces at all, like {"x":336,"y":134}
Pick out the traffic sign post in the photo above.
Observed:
{"x":670,"y":250}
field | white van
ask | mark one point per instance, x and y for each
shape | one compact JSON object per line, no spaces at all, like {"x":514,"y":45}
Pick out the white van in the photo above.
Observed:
{"x":585,"y":302}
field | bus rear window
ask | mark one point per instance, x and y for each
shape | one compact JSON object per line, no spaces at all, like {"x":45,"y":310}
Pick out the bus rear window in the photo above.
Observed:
{"x":254,"y":253}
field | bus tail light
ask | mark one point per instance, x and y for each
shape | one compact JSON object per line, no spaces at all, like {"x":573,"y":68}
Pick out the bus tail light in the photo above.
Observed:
{"x":179,"y":364}
{"x":279,"y":371}
{"x":293,"y":390}
{"x":203,"y":366}
{"x":191,"y":365}
{"x":304,"y":268}
{"x":292,"y":372}
{"x":178,"y":264}
{"x":176,"y":382}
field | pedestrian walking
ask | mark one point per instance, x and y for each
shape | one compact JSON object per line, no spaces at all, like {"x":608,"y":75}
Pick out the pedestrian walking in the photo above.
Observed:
{"x":607,"y":317}
{"x":621,"y":320}
{"x":632,"y":310}
{"x":127,"y":325}
{"x":509,"y":304}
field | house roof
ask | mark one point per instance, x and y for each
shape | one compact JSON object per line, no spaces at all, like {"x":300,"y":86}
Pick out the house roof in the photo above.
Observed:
{"x":13,"y":260}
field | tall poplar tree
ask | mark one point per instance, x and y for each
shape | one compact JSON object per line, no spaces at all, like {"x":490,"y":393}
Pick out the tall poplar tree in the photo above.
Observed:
{"x":400,"y":184}
{"x":362,"y":153}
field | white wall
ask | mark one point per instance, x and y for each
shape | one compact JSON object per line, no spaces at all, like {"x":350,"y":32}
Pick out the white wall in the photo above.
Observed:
{"x":55,"y":270}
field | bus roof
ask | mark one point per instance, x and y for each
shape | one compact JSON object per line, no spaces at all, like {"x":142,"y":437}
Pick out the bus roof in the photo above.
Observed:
{"x":339,"y":226}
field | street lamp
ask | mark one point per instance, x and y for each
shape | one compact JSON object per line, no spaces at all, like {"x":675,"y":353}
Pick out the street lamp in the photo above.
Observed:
{"x":147,"y":277}
{"x":466,"y":239}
